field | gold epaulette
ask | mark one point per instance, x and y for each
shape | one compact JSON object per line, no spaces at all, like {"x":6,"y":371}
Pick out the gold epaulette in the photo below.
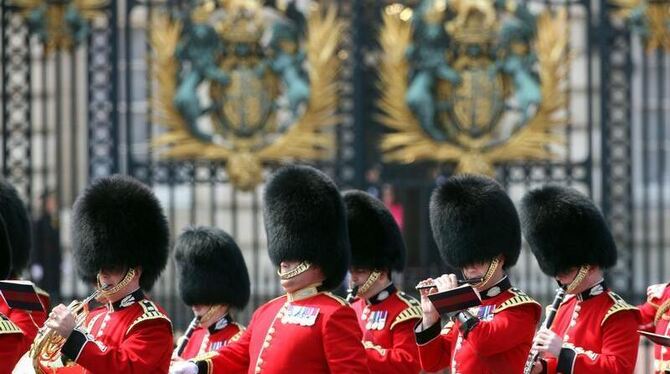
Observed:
{"x":660,"y":311}
{"x":237,"y":336}
{"x":413,"y":312}
{"x":619,"y":305}
{"x":519,"y":298}
{"x":151,"y":311}
{"x":8,"y":327}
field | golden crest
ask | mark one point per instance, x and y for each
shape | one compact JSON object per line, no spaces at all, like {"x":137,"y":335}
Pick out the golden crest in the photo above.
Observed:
{"x":655,"y":16}
{"x":471,"y":105}
{"x":60,"y":24}
{"x":254,"y":116}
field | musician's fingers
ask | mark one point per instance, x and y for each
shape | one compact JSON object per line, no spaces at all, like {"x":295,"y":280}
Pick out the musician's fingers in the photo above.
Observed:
{"x":453,"y":281}
{"x":441,"y":282}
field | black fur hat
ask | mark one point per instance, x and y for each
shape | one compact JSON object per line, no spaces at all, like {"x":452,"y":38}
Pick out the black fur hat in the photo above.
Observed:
{"x":374,"y":236}
{"x":565,"y":230}
{"x":474,"y":221}
{"x":118,"y":221}
{"x":305,"y":220}
{"x":15,"y":236}
{"x":211,"y":268}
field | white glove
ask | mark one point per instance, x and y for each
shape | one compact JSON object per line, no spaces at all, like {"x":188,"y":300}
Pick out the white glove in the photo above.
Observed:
{"x":656,"y":291}
{"x":183,"y":367}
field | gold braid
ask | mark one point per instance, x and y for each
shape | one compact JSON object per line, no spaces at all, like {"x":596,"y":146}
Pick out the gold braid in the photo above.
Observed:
{"x":661,"y":310}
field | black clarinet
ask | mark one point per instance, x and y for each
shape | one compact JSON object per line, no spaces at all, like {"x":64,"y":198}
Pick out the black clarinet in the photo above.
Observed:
{"x":187,"y":336}
{"x":549,"y":318}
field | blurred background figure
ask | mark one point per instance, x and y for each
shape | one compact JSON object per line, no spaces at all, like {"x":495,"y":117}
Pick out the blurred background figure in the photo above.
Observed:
{"x":394,"y":206}
{"x":46,"y":258}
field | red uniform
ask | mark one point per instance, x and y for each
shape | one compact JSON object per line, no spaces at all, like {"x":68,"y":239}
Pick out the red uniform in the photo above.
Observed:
{"x":132,"y":335}
{"x":387,"y":321}
{"x":216,"y":336}
{"x":10,"y":344}
{"x":655,"y":315}
{"x":498,"y":344}
{"x":28,"y":321}
{"x":310,"y":332}
{"x":599,"y":331}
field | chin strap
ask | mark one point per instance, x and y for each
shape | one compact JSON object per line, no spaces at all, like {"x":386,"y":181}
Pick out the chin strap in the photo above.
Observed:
{"x":108,"y":293}
{"x":208,"y":315}
{"x":301,"y":268}
{"x":372,"y":278}
{"x":493,"y":266}
{"x":579,"y":278}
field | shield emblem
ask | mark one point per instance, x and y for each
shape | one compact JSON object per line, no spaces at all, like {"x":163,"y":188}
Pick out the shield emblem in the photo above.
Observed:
{"x":475,"y":106}
{"x":245,"y":104}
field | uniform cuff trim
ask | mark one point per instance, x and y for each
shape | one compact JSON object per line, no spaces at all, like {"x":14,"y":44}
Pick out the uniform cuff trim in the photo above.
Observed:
{"x":74,"y":344}
{"x":425,"y":336}
{"x":566,"y":361}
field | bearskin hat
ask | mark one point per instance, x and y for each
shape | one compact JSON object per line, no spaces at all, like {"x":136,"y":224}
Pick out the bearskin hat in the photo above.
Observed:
{"x":117,"y":222}
{"x":565,"y":229}
{"x":474,"y":221}
{"x":15,"y":235}
{"x":374,"y":235}
{"x":211,"y":268}
{"x":305,"y":220}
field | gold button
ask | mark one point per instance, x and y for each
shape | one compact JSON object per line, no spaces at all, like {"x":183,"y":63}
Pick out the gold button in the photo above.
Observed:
{"x":258,"y":369}
{"x":271,"y":330}
{"x":266,"y":344}
{"x":260,"y":362}
{"x":268,"y":338}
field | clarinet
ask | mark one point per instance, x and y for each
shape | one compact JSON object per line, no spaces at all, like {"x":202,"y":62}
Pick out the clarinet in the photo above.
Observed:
{"x":548,"y":319}
{"x":187,"y":336}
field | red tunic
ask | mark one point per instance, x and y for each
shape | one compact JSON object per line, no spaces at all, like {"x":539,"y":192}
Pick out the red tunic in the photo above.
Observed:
{"x":387,"y":321}
{"x":133,"y":335}
{"x":11,"y":338}
{"x":310,"y":333}
{"x":655,"y":316}
{"x":28,"y":321}
{"x":498,"y":344}
{"x":599,"y":331}
{"x":216,"y":336}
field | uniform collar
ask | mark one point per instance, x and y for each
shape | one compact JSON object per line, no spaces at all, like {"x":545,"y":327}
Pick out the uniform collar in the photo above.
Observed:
{"x":128,"y":300}
{"x":503,"y":285}
{"x":220,"y":324}
{"x":382,"y":295}
{"x":593,"y":291}
{"x":303,"y":293}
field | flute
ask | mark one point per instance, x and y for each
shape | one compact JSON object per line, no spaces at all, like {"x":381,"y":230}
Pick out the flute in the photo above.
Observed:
{"x":430,"y":283}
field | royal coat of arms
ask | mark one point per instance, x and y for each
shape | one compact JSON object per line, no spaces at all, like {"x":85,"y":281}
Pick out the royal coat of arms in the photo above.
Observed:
{"x":474,"y":82}
{"x":247,"y":83}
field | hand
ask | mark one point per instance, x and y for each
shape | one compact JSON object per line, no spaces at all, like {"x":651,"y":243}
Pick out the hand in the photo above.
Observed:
{"x":183,"y":367}
{"x":546,"y":341}
{"x":61,"y":320}
{"x":446,"y":282}
{"x":655,"y":291}
{"x":430,"y":314}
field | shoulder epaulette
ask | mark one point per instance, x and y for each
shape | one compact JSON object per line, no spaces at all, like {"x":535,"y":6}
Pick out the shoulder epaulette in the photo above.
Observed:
{"x":335,"y":297}
{"x":413,"y":312}
{"x":618,"y":306}
{"x":237,"y":336}
{"x":8,"y":327}
{"x":519,"y":298}
{"x":150,"y":312}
